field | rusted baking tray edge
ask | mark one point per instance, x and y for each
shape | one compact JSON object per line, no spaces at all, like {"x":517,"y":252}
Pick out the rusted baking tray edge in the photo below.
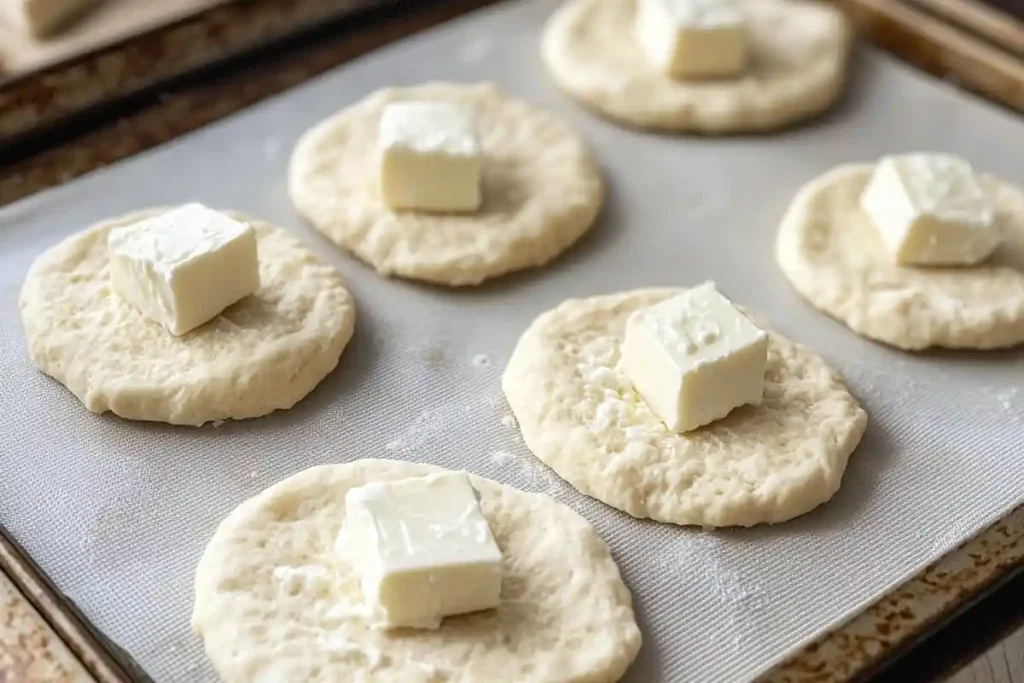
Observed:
{"x":45,"y":639}
{"x":43,"y":97}
{"x":849,"y":653}
{"x":902,"y":619}
{"x":29,"y":648}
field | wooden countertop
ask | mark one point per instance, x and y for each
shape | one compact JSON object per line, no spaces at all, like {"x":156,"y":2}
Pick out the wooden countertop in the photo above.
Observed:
{"x":1004,"y":663}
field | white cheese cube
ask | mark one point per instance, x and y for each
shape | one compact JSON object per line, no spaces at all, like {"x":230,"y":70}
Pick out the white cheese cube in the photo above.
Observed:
{"x":41,"y":18}
{"x":930,"y":209}
{"x":430,"y":157}
{"x":693,"y":38}
{"x":694,"y":358}
{"x":423,"y":549}
{"x":183,"y":267}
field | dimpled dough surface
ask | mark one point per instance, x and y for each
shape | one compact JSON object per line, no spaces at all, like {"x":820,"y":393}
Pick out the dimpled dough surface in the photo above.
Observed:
{"x":830,"y":251}
{"x":565,"y":615}
{"x":541,"y":190}
{"x":798,"y":53}
{"x":579,"y":414}
{"x":262,"y":354}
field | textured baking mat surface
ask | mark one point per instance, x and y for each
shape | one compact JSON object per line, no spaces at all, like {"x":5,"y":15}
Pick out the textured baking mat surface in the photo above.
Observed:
{"x":118,"y":512}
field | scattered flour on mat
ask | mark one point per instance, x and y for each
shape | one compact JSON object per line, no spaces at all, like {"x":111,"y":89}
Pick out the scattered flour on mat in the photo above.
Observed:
{"x":475,"y":49}
{"x":271,"y":149}
{"x":427,"y":427}
{"x":950,"y":536}
{"x":434,"y":432}
{"x":431,"y":353}
{"x":509,"y":421}
{"x":1007,"y":397}
{"x":481,"y":360}
{"x":530,"y":474}
{"x":536,"y":477}
{"x":502,"y":457}
{"x":696,"y":561}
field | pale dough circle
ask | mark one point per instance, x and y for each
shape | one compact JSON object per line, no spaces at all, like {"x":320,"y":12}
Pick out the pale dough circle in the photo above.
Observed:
{"x":830,"y":251}
{"x":579,"y":413}
{"x":565,"y":614}
{"x":798,"y":57}
{"x":262,"y":354}
{"x":541,"y":190}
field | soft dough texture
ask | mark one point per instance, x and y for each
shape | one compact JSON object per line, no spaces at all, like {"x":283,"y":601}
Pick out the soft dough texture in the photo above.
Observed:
{"x":262,"y":354}
{"x":273,"y":603}
{"x":831,"y":252}
{"x":796,"y":69}
{"x":579,"y":413}
{"x":541,"y":191}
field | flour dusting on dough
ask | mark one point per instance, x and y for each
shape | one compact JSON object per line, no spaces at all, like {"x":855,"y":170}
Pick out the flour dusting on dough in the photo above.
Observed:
{"x":762,"y":464}
{"x":241,"y":611}
{"x":616,"y":401}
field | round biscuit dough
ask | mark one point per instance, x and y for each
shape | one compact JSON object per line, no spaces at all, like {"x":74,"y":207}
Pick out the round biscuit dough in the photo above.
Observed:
{"x":541,"y":190}
{"x":264,"y":353}
{"x":798,"y":51}
{"x":830,"y":251}
{"x":579,"y":413}
{"x":273,"y":602}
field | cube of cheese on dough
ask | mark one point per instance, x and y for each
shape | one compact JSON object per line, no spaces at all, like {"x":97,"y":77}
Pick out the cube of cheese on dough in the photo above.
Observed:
{"x":694,"y":358}
{"x":930,"y":209}
{"x":183,"y":267}
{"x":41,"y":18}
{"x":693,"y":38}
{"x":423,"y":549}
{"x":431,"y":158}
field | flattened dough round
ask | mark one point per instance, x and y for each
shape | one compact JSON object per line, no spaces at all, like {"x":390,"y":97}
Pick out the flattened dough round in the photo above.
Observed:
{"x":797,"y":66}
{"x":830,"y":251}
{"x":262,"y":354}
{"x":579,"y":413}
{"x":541,"y":191}
{"x":565,"y":613}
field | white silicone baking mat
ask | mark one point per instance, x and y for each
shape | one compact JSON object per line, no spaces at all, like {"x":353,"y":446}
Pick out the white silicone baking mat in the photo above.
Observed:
{"x":118,"y":512}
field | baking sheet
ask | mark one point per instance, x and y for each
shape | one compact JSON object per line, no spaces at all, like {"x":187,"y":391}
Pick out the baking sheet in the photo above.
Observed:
{"x":108,"y":22}
{"x":117,"y":512}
